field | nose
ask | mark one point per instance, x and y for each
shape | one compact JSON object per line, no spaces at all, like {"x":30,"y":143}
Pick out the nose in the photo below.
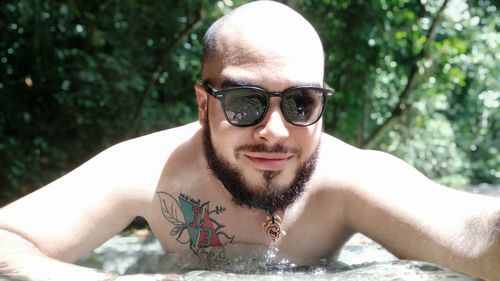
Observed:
{"x":273,"y":129}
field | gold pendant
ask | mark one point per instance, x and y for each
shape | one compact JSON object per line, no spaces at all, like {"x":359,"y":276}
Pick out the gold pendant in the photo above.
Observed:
{"x":273,"y":227}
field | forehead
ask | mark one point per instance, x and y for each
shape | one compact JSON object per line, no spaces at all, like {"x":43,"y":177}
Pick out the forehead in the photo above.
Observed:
{"x":274,"y":55}
{"x":270,"y":65}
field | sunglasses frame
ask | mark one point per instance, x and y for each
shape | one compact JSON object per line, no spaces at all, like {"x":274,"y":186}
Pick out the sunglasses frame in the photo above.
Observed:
{"x":219,"y":95}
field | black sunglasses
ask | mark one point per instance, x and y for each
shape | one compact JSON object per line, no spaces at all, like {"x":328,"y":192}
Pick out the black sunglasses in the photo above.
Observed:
{"x":248,"y":105}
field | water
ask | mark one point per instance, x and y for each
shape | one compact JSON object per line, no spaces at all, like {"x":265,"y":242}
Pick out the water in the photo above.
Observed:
{"x":399,"y":271}
{"x":360,"y":259}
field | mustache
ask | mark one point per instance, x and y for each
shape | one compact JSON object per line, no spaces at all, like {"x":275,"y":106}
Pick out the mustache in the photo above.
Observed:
{"x":278,"y":148}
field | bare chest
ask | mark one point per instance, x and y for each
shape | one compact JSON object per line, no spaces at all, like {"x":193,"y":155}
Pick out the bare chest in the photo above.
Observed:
{"x":309,"y":229}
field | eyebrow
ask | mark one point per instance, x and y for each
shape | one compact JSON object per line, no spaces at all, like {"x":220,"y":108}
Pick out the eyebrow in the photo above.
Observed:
{"x":231,"y":83}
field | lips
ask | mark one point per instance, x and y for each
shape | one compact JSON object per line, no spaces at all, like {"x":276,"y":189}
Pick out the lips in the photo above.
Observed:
{"x":268,"y":162}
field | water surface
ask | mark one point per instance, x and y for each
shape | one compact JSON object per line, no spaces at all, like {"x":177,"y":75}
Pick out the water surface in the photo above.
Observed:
{"x":360,"y":259}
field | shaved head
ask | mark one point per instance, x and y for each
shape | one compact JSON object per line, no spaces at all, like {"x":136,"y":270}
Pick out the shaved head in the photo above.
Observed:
{"x":257,"y":31}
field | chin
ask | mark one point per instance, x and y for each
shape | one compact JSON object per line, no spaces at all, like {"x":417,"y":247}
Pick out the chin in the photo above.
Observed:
{"x":269,"y":180}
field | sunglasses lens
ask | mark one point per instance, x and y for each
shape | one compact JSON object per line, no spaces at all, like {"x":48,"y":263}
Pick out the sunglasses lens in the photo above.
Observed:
{"x":303,"y":107}
{"x":244,"y":107}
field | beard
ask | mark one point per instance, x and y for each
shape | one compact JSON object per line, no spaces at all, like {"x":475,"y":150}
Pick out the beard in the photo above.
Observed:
{"x":268,"y":197}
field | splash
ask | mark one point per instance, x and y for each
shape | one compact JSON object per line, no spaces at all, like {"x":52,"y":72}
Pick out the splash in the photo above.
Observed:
{"x":361,"y":259}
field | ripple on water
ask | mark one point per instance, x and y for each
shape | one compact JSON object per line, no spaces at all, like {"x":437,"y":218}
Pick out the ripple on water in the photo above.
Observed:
{"x":360,"y":259}
{"x":395,"y":271}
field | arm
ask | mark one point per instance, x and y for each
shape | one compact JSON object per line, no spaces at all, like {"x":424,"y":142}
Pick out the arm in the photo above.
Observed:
{"x":42,"y":233}
{"x":417,"y":219}
{"x":21,"y":260}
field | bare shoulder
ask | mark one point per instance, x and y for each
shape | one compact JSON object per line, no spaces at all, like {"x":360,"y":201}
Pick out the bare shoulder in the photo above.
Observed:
{"x":162,"y":141}
{"x":358,"y":167}
{"x":142,"y":161}
{"x":136,"y":163}
{"x":383,"y":192}
{"x":374,"y":182}
{"x":83,"y":208}
{"x":345,"y":164}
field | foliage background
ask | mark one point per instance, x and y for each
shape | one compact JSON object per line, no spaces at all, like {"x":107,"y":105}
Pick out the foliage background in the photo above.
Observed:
{"x":419,"y":79}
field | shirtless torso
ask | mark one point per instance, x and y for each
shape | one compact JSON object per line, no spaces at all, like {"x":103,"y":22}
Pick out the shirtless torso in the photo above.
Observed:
{"x":266,"y":138}
{"x":352,"y":190}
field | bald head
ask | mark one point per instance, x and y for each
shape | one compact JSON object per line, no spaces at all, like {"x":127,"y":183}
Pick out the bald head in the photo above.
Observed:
{"x":259,"y":33}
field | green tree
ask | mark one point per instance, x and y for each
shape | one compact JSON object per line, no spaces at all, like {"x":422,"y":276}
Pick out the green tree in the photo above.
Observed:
{"x":415,"y":78}
{"x":400,"y":68}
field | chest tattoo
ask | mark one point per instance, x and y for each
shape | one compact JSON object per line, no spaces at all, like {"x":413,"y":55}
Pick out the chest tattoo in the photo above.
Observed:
{"x":193,"y":222}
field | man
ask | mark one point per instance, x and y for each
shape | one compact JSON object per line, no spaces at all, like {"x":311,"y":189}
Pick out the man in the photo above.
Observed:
{"x":256,"y":169}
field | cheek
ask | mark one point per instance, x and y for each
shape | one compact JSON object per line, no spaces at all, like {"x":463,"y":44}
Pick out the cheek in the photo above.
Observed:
{"x":225,"y":137}
{"x":223,"y":142}
{"x":308,"y":140}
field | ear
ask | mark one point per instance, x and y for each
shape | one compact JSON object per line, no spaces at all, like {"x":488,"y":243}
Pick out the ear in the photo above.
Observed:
{"x":202,"y":100}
